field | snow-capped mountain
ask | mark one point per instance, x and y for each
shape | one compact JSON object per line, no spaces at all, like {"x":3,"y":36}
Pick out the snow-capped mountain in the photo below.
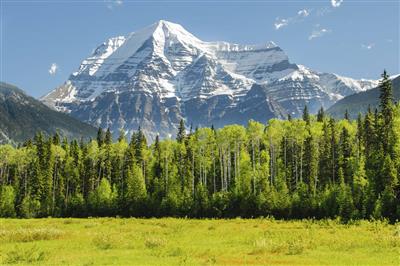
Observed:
{"x":154,"y":77}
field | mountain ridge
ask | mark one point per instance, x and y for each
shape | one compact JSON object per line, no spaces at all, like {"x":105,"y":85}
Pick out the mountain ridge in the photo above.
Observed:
{"x":360,"y":102}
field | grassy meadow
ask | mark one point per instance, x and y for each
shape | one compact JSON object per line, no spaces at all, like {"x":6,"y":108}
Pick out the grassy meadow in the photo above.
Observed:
{"x":169,"y":241}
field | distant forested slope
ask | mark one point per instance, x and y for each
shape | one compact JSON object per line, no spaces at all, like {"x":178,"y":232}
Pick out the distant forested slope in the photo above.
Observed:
{"x":359,"y":102}
{"x":21,"y":116}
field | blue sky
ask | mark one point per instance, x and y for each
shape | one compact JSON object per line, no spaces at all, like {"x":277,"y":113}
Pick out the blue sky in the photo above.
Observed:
{"x":43,"y":42}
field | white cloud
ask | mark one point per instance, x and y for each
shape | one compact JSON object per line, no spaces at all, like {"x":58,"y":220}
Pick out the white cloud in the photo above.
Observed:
{"x":113,"y":3}
{"x":279,"y":23}
{"x":336,"y":3}
{"x":303,"y":13}
{"x":318,"y":32}
{"x":283,"y":22}
{"x":368,"y":46}
{"x":53,"y":69}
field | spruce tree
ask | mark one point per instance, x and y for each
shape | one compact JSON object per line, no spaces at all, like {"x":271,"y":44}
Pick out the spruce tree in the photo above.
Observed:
{"x":345,"y":155}
{"x":180,"y":137}
{"x":387,"y":112}
{"x":306,"y":115}
{"x":56,"y":139}
{"x":108,"y":137}
{"x":386,"y":98}
{"x":121,"y":136}
{"x":334,"y":152}
{"x":100,"y":136}
{"x":321,"y":114}
{"x":347,"y":115}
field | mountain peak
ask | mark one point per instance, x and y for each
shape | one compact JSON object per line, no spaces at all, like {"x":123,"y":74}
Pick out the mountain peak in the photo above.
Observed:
{"x":166,"y":29}
{"x":164,"y":73}
{"x":166,"y":23}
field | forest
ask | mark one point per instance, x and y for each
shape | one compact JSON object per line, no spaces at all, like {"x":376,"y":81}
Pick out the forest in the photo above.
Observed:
{"x":310,"y":167}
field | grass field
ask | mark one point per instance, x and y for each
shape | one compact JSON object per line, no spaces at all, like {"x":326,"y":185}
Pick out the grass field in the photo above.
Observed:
{"x":169,"y":241}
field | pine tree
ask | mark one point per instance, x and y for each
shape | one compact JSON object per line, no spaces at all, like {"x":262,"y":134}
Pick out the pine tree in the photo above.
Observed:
{"x":321,"y":114}
{"x":387,"y":113}
{"x":180,"y":137}
{"x":306,"y":115}
{"x":345,"y":155}
{"x":347,"y":115}
{"x":108,"y":137}
{"x":334,"y":152}
{"x":325,"y":169}
{"x":56,"y":139}
{"x":359,"y":135}
{"x":369,"y":134}
{"x":311,"y":163}
{"x":121,"y":136}
{"x":100,"y":136}
{"x":386,"y":98}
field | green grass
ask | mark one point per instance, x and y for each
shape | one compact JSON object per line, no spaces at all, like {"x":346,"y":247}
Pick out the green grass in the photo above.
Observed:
{"x":169,"y":241}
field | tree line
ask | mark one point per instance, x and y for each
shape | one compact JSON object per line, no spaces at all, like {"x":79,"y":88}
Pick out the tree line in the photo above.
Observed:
{"x":314,"y":166}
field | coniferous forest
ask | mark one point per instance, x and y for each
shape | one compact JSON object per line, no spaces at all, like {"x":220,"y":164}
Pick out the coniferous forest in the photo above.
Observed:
{"x":315,"y":166}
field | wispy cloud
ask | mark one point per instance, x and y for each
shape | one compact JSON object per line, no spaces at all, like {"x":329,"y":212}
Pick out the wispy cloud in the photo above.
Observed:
{"x":323,"y":11}
{"x":53,"y":69}
{"x":318,"y":32}
{"x":368,"y":46}
{"x":303,"y":13}
{"x":279,"y":23}
{"x":113,"y":3}
{"x":336,"y":3}
{"x":283,"y":22}
{"x":320,"y":12}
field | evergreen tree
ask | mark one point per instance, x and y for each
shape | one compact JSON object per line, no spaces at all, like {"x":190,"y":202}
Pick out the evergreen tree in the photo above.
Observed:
{"x":386,"y":98}
{"x":387,"y":113}
{"x":345,"y":155}
{"x":121,"y":136}
{"x":108,"y":137}
{"x":56,"y":139}
{"x":347,"y":115}
{"x":100,"y":136}
{"x":306,"y":115}
{"x":334,"y":152}
{"x":321,"y":114}
{"x":181,"y":132}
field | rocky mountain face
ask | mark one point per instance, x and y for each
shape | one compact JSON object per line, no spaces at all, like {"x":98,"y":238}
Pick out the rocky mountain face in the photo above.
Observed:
{"x":21,"y":117}
{"x":158,"y":75}
{"x":359,"y":102}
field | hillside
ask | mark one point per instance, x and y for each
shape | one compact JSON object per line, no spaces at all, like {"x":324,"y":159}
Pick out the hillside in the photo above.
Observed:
{"x":21,"y":116}
{"x":359,"y":102}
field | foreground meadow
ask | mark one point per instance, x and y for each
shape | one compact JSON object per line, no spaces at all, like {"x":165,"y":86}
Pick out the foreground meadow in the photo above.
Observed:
{"x":169,"y":241}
